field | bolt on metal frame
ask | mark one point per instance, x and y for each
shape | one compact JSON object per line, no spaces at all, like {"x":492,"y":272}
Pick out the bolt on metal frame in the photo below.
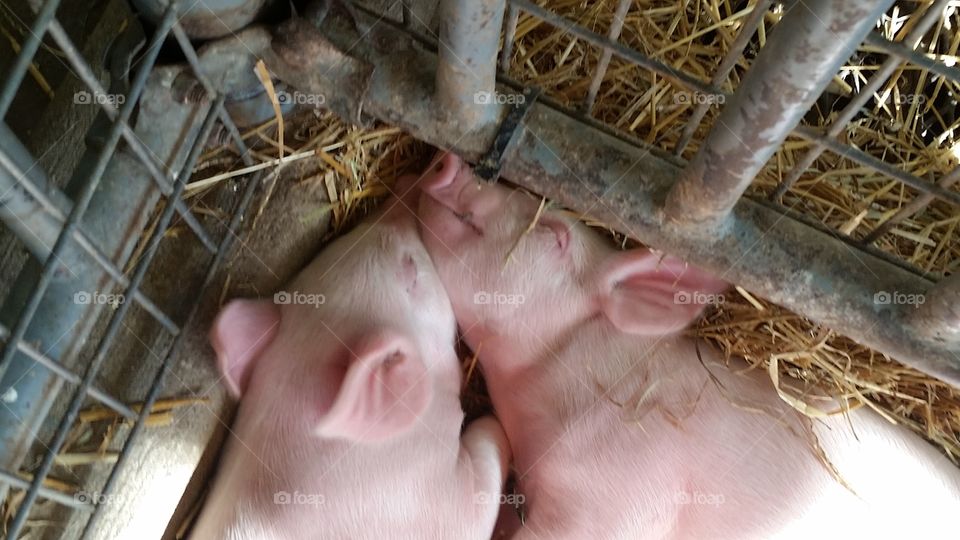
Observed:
{"x":67,"y":229}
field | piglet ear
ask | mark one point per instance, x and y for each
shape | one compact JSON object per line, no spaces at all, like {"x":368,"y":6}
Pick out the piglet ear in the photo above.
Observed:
{"x":240,"y":333}
{"x":647,"y":293}
{"x":385,"y":389}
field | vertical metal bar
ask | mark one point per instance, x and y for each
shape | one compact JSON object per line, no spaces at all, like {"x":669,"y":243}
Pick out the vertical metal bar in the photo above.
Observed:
{"x":613,"y":35}
{"x":938,"y":317}
{"x":913,"y":38}
{"x":113,"y":327}
{"x":723,"y":70}
{"x":509,"y":34}
{"x":912,"y":208}
{"x":467,"y":68}
{"x":406,"y":17}
{"x":154,"y":392}
{"x":29,"y":48}
{"x":86,"y":195}
{"x":803,"y":53}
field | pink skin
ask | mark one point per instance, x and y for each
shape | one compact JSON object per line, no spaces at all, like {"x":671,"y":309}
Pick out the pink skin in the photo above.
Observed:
{"x":350,"y":410}
{"x":616,"y":428}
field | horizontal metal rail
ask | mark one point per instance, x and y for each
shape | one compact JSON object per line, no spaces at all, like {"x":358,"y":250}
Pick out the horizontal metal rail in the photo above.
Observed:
{"x":865,"y":159}
{"x":910,"y":55}
{"x":642,"y":60}
{"x":50,"y":494}
{"x":588,"y":170}
{"x":68,"y":375}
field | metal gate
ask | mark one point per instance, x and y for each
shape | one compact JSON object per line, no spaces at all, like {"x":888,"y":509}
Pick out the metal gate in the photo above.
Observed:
{"x":371,"y":67}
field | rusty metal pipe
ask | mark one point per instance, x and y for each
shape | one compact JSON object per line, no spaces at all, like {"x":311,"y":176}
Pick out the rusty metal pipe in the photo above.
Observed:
{"x":467,"y":72}
{"x":623,"y":184}
{"x":805,"y":50}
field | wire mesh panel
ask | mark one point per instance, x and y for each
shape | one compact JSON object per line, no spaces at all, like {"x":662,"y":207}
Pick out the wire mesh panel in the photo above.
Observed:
{"x":67,"y":247}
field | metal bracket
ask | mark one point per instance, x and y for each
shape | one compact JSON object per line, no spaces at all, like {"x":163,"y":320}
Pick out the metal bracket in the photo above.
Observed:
{"x":488,"y":168}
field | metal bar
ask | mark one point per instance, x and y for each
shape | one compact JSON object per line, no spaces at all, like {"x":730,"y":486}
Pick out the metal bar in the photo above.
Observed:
{"x":613,"y":35}
{"x":910,"y":55}
{"x":938,"y":317}
{"x":599,"y":174}
{"x":68,"y":375}
{"x":49,"y":224}
{"x":29,"y":48}
{"x":618,"y":49}
{"x":509,"y":34}
{"x":50,"y":494}
{"x":191,"y":55}
{"x":723,"y":70}
{"x":878,"y":165}
{"x":139,"y":149}
{"x":931,"y":16}
{"x":113,"y":328}
{"x":52,"y":264}
{"x":405,"y":15}
{"x":469,"y":34}
{"x":154,"y":392}
{"x":804,"y":52}
{"x":912,"y":207}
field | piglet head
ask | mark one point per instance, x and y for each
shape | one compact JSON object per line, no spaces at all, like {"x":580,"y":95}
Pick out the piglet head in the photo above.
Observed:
{"x":515,"y":267}
{"x":361,"y":340}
